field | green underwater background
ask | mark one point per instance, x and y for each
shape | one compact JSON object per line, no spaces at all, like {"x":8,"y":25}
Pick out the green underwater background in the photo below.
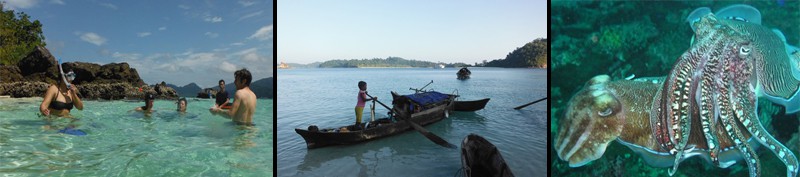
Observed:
{"x":644,"y":39}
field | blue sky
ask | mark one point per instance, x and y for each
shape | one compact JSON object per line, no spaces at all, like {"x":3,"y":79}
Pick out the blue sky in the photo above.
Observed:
{"x":447,"y":31}
{"x":177,"y":41}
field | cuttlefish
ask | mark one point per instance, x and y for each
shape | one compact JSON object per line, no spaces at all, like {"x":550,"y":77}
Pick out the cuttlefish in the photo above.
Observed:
{"x":606,"y":110}
{"x":777,"y":67}
{"x":706,"y":105}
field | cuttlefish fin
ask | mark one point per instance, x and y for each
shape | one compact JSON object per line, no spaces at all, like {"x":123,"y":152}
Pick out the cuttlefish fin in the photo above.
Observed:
{"x":696,"y":15}
{"x":740,"y":12}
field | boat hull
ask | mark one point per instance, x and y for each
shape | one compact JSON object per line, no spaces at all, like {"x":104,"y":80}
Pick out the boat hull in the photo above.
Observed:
{"x":470,"y":105}
{"x":376,"y":129}
{"x":479,"y":157}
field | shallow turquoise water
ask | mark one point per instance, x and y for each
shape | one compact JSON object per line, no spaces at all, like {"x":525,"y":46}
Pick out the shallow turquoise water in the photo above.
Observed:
{"x":123,"y":143}
{"x":326,"y":97}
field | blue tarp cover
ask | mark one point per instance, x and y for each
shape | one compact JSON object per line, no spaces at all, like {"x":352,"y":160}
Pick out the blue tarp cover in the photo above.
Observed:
{"x":427,"y":97}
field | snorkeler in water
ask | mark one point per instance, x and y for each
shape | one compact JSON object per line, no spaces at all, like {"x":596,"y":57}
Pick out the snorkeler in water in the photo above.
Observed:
{"x":61,"y":97}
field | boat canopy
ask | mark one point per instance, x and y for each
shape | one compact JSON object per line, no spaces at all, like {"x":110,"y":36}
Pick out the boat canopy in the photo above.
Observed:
{"x":427,"y":98}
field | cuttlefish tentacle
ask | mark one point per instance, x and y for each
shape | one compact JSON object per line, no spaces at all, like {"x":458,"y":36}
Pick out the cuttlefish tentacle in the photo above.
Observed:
{"x":777,"y":70}
{"x":749,"y":102}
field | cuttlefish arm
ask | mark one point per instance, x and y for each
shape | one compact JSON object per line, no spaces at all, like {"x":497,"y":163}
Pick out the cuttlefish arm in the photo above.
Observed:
{"x":602,"y":112}
{"x":778,"y":63}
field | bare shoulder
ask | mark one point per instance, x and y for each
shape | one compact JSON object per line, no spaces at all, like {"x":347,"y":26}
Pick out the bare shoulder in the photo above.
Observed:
{"x":246,"y":94}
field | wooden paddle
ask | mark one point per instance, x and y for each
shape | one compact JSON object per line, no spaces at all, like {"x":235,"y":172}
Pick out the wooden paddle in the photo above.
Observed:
{"x":520,"y":107}
{"x":436,"y":139}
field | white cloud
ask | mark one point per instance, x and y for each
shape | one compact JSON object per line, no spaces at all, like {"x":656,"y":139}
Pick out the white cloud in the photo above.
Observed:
{"x":162,"y":28}
{"x":126,"y":56}
{"x":237,"y":44}
{"x":184,"y":7}
{"x":212,"y":35}
{"x":143,"y":34}
{"x":19,"y":4}
{"x":109,"y":5}
{"x":227,"y":67}
{"x":250,"y":15}
{"x":93,"y":38}
{"x":213,"y":19}
{"x":57,"y":2}
{"x":263,"y":34}
{"x":247,"y":3}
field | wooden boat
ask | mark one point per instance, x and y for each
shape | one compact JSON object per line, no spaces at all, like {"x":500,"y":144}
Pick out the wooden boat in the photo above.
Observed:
{"x":463,"y":73}
{"x":479,"y":157}
{"x":470,"y":105}
{"x":351,"y":134}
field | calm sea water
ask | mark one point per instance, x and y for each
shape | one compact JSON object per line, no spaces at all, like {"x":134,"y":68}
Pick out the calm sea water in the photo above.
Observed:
{"x":326,"y":97}
{"x":122,"y":143}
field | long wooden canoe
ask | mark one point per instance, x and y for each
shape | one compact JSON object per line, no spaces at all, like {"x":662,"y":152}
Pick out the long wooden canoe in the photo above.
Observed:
{"x":470,"y":105}
{"x":379,"y":128}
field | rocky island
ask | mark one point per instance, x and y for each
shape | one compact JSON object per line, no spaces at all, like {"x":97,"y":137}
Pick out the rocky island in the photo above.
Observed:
{"x":38,"y":70}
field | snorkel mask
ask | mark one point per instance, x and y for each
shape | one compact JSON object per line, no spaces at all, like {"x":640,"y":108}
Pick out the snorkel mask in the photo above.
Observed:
{"x":70,"y":76}
{"x":65,"y":76}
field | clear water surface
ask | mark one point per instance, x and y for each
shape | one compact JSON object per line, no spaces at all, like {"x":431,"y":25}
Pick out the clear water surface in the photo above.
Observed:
{"x":123,"y":143}
{"x":326,"y":97}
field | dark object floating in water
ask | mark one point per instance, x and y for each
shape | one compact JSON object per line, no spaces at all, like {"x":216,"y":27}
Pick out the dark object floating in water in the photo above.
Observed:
{"x":470,"y":105}
{"x":71,"y":131}
{"x":463,"y":73}
{"x":479,"y":157}
{"x":425,"y":108}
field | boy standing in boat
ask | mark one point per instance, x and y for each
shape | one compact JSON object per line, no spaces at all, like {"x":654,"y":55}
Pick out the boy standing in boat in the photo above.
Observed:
{"x":362,"y":100}
{"x":244,"y":103}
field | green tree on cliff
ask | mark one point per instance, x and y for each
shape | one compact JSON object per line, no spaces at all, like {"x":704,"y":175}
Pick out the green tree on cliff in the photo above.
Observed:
{"x":532,"y":54}
{"x":18,"y":36}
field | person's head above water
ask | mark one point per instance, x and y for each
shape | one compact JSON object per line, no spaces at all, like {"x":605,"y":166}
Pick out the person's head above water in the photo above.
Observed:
{"x":243,"y":78}
{"x":362,"y":85}
{"x":221,"y":84}
{"x":148,"y":99}
{"x":182,"y":105}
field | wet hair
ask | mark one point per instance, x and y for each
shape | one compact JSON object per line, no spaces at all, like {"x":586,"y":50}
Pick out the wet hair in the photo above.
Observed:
{"x":244,"y":74}
{"x":361,"y":84}
{"x":184,"y":100}
{"x":149,"y":97}
{"x":221,"y":81}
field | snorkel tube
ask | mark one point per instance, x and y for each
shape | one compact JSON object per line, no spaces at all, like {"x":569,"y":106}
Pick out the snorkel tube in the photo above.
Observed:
{"x":63,"y":76}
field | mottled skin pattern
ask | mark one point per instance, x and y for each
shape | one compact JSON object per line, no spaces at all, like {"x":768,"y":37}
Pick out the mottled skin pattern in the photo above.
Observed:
{"x":706,"y":106}
{"x":715,"y":81}
{"x":628,"y":122}
{"x":599,"y":114}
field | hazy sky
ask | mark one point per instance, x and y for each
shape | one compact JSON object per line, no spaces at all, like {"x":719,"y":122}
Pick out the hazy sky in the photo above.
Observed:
{"x":447,"y":31}
{"x":174,"y":41}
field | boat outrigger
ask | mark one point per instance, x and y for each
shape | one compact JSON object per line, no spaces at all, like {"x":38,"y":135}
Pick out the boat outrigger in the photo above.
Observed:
{"x":408,"y":112}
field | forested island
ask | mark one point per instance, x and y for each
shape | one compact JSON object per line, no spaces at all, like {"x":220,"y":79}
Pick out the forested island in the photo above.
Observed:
{"x":531,"y":55}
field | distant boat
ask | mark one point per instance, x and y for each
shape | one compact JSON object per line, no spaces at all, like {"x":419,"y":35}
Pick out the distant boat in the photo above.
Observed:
{"x":440,"y":66}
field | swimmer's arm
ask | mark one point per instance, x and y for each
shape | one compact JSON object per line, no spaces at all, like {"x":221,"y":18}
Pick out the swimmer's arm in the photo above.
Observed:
{"x":75,"y":99}
{"x":236,"y":104}
{"x":48,"y":96}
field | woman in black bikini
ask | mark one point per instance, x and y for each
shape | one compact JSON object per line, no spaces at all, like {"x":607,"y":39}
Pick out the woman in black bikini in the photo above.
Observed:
{"x":59,"y":100}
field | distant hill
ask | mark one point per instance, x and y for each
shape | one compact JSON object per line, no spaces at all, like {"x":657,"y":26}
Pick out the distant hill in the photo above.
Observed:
{"x":262,"y":88}
{"x":298,"y":65}
{"x":532,"y":54}
{"x":189,"y":90}
{"x":390,"y":62}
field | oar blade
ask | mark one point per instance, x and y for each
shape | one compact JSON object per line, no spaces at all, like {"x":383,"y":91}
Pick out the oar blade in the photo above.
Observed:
{"x":534,"y":102}
{"x":436,"y":139}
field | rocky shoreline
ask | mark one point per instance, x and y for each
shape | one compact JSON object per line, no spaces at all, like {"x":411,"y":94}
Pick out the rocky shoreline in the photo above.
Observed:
{"x":38,"y":70}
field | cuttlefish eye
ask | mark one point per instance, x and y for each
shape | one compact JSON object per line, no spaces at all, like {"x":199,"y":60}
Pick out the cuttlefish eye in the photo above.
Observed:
{"x":744,"y":50}
{"x":606,"y":105}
